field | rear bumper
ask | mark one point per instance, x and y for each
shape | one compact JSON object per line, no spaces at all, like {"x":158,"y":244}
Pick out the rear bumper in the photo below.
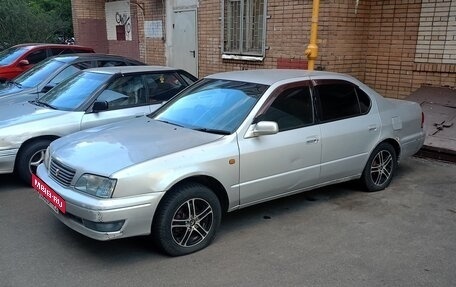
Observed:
{"x":413,"y":145}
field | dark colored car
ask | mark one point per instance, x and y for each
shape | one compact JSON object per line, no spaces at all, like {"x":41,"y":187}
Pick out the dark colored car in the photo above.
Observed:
{"x":47,"y":74}
{"x":18,"y":59}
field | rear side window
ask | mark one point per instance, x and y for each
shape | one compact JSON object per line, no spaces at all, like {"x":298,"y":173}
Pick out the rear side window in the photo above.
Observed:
{"x":339,"y":100}
{"x":57,"y":51}
{"x":110,"y":63}
{"x":364,"y":101}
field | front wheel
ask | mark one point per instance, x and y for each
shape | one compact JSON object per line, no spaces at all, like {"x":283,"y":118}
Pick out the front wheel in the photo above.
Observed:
{"x":380,"y":168}
{"x":29,"y":157}
{"x":187,"y":219}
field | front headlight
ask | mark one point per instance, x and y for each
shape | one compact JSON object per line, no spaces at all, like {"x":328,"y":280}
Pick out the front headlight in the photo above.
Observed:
{"x":96,"y":185}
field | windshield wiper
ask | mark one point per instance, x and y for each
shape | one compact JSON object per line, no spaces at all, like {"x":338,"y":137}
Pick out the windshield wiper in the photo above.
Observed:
{"x":15,"y":83}
{"x":212,"y":131}
{"x":43,"y":104}
{"x":170,"y":123}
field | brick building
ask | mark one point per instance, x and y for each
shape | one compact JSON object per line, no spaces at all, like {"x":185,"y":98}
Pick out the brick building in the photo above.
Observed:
{"x":394,"y":46}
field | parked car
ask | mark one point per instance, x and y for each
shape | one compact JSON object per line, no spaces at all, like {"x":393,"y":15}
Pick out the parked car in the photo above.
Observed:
{"x":92,"y":97}
{"x":17,"y":59}
{"x":229,"y":141}
{"x":49,"y":73}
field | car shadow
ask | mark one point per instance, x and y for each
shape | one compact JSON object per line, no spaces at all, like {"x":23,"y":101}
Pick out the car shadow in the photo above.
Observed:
{"x":130,"y":250}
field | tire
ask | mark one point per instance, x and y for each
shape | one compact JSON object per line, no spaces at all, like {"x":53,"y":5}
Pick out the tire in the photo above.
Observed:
{"x":29,"y":157}
{"x":380,"y":168}
{"x":195,"y":212}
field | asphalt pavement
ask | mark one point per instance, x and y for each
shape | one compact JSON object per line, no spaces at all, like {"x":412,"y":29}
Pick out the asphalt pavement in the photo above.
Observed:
{"x":333,"y":236}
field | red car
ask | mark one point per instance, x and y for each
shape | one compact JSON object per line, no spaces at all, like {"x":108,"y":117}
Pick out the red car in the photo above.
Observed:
{"x":19,"y":58}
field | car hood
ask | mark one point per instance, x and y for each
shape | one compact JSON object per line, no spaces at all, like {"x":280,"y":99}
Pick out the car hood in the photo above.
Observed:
{"x":110,"y":148}
{"x":6,"y":89}
{"x":25,"y":112}
{"x":17,"y":97}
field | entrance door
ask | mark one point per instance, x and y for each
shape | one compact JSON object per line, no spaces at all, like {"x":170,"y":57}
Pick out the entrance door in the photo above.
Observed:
{"x":184,"y":53}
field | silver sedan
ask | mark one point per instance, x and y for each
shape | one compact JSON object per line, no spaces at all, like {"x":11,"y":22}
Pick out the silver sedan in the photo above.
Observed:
{"x":230,"y":141}
{"x":91,"y":98}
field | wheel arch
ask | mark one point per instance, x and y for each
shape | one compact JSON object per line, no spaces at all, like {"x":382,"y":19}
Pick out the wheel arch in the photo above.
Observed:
{"x":30,"y":141}
{"x":395,"y":144}
{"x":213,"y":184}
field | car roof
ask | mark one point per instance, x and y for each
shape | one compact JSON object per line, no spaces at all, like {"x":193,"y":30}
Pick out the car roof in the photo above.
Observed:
{"x":270,"y":76}
{"x":67,"y":58}
{"x":33,"y":45}
{"x":130,"y":69}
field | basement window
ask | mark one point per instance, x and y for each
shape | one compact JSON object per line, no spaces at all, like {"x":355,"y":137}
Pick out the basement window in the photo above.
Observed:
{"x":244,"y":29}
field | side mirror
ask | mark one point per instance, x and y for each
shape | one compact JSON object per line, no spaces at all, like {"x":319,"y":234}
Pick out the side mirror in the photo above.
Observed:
{"x":24,"y":63}
{"x":263,"y":128}
{"x":100,"y":106}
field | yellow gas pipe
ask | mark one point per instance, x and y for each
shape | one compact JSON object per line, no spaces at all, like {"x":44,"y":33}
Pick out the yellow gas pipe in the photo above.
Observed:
{"x":312,"y":49}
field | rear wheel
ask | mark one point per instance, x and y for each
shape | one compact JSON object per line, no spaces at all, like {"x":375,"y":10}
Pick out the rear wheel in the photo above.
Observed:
{"x":29,"y":157}
{"x":187,"y":219}
{"x":380,"y":168}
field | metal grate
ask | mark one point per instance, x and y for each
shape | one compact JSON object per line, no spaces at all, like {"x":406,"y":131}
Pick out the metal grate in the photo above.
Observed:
{"x":61,"y":173}
{"x":243,"y":27}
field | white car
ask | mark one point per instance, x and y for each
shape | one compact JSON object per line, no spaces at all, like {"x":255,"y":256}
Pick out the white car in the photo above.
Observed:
{"x":229,"y":141}
{"x":92,"y":97}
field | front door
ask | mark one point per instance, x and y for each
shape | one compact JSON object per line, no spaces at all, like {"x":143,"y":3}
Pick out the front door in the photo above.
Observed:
{"x":286,"y":162}
{"x":184,"y":50}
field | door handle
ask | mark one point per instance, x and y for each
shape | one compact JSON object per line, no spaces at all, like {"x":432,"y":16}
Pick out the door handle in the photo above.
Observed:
{"x":372,"y":127}
{"x":193,"y":52}
{"x":312,"y":140}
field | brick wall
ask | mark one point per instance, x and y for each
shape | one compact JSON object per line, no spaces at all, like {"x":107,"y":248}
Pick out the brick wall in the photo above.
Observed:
{"x":375,"y":41}
{"x":89,"y":24}
{"x":155,"y":48}
{"x":341,"y":37}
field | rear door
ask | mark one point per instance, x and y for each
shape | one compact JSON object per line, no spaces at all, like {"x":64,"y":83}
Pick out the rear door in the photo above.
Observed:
{"x":350,"y":128}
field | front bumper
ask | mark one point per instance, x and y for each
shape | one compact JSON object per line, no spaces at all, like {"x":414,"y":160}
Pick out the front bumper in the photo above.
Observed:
{"x":133,"y":215}
{"x":7,"y":159}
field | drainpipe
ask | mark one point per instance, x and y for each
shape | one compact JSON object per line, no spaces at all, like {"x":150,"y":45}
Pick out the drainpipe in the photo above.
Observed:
{"x":312,"y":49}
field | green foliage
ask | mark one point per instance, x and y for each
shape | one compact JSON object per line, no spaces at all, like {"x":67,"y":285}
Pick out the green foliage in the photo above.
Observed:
{"x":43,"y":21}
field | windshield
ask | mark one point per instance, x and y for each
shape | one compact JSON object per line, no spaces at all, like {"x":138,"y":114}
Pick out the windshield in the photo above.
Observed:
{"x":212,"y":105}
{"x":38,"y":73}
{"x":10,"y":55}
{"x":75,"y":91}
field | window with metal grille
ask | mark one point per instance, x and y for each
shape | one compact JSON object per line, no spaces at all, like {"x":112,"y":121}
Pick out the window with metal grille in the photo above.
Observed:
{"x":244,"y":27}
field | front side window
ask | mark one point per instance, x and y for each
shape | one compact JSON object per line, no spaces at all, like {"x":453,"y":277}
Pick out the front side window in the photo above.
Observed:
{"x":125,"y":91}
{"x":212,"y":105}
{"x":244,"y":26}
{"x":37,"y":56}
{"x":291,"y":109}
